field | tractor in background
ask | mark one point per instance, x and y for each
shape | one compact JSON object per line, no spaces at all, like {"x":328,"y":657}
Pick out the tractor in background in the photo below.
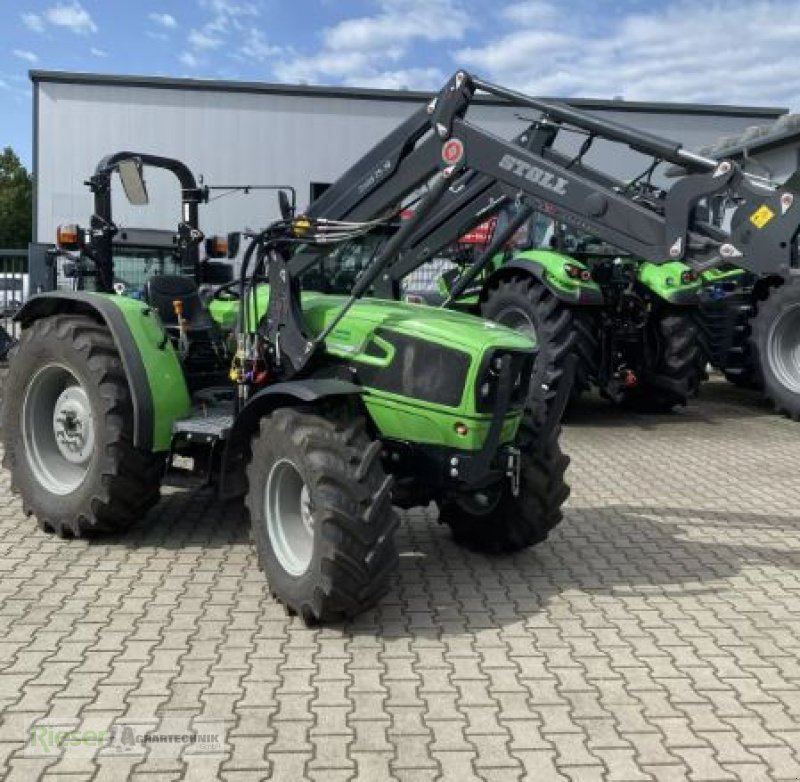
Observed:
{"x":749,"y":327}
{"x":749,"y":321}
{"x":630,"y":323}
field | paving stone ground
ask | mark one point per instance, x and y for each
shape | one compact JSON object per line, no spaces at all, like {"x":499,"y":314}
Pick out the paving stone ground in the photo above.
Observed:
{"x":656,"y":635}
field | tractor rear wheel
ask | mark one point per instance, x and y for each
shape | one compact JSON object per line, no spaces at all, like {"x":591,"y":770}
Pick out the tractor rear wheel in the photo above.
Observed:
{"x":495,"y":521}
{"x":673,"y":362}
{"x":524,"y":304}
{"x":321,"y":512}
{"x":67,"y":429}
{"x":776,"y":338}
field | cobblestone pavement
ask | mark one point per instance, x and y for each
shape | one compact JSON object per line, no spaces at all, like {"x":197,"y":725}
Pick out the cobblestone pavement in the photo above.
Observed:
{"x":656,"y":635}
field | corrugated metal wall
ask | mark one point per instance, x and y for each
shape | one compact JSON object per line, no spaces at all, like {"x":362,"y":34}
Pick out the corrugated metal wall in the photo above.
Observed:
{"x":251,"y":138}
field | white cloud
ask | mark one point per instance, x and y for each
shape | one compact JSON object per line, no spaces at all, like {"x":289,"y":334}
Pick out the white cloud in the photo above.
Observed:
{"x":73,"y":16}
{"x":33,"y":22}
{"x":189,"y":59}
{"x":529,"y":12}
{"x":402,"y":79}
{"x":396,"y":23}
{"x":163,"y":20}
{"x":227,"y":16}
{"x":358,"y":50}
{"x":23,"y":54}
{"x":231,"y":23}
{"x":513,"y":52}
{"x":256,"y":47}
{"x":98,"y":52}
{"x":732,"y":52}
{"x":338,"y":65}
{"x":203,"y":40}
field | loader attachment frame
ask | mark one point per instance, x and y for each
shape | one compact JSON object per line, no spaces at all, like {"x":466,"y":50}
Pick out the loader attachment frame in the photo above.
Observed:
{"x":459,"y":163}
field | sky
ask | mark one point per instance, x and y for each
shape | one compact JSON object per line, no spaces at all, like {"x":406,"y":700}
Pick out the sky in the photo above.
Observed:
{"x":737,"y":51}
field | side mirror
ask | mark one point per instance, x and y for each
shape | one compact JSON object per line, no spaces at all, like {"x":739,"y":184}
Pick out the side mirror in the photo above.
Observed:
{"x":130,"y":172}
{"x":234,"y":240}
{"x":287,"y":212}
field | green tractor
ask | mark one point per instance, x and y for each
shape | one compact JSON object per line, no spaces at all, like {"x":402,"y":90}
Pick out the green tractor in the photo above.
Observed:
{"x":384,"y":404}
{"x":332,"y":408}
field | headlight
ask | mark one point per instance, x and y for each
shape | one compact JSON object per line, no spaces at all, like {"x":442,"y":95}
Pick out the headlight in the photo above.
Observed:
{"x":489,"y":379}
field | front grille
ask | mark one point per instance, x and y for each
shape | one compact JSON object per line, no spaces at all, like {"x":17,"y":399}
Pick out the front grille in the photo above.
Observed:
{"x":488,"y":383}
{"x":419,"y":369}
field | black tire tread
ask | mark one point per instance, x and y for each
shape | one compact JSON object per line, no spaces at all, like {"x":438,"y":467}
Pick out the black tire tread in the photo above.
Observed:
{"x":679,"y":363}
{"x":131,"y":478}
{"x":344,"y":465}
{"x":560,"y":330}
{"x":527,"y":520}
{"x":768,"y":309}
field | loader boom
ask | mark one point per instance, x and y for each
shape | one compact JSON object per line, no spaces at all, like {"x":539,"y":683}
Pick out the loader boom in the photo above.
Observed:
{"x":462,"y":164}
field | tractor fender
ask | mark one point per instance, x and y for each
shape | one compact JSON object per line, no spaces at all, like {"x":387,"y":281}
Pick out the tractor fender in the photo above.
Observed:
{"x":152,"y":368}
{"x":547,"y":267}
{"x":232,"y":482}
{"x":290,"y":392}
{"x":664,"y":281}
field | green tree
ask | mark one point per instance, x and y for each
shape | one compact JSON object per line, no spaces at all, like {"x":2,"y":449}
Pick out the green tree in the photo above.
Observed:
{"x":16,"y":201}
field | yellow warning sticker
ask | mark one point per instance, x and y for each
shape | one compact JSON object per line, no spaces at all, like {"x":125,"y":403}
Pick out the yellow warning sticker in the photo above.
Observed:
{"x":761,"y":216}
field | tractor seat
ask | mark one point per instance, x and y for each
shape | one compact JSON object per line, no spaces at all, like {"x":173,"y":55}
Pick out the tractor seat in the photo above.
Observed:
{"x":204,"y":360}
{"x":161,"y":291}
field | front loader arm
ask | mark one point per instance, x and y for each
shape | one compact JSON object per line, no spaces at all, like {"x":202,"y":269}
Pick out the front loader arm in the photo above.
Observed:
{"x":439,"y":147}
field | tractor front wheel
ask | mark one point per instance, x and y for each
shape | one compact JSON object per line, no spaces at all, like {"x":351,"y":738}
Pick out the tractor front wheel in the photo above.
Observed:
{"x":321,"y":512}
{"x":494,"y":520}
{"x":67,"y":428}
{"x":776,"y":336}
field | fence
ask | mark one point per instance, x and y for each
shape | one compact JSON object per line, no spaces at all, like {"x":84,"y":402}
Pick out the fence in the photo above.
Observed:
{"x":22,"y":273}
{"x":14,"y":288}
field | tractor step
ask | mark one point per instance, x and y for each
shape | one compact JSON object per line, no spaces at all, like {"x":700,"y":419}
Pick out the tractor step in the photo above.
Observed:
{"x":197,"y":441}
{"x":211,"y":418}
{"x":204,"y":427}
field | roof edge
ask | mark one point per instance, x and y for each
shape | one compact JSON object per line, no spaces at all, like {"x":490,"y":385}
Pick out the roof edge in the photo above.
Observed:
{"x":370,"y":93}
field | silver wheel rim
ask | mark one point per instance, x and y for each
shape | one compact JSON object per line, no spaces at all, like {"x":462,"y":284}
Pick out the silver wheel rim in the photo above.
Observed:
{"x":783,"y":348}
{"x":516,"y":318}
{"x":290,"y":522}
{"x":58,"y":429}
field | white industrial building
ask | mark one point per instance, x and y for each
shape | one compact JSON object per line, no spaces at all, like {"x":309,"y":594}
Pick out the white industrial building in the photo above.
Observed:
{"x":238,"y":133}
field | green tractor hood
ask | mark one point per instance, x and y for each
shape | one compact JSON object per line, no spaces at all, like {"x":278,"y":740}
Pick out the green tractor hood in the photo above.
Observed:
{"x":421,"y":367}
{"x":448,"y":327}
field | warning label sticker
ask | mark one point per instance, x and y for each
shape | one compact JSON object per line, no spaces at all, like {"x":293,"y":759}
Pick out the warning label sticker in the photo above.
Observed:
{"x":761,"y":216}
